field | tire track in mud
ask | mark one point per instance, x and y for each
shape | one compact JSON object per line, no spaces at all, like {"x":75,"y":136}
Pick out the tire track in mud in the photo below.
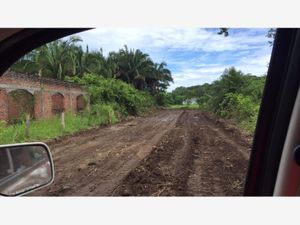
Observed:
{"x":169,"y":153}
{"x":196,"y":158}
{"x":93,"y":163}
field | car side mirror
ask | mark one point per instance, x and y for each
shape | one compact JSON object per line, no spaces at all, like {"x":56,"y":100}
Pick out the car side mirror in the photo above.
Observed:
{"x":24,"y":168}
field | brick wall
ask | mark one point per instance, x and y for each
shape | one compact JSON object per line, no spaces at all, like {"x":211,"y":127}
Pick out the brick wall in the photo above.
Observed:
{"x":3,"y":105}
{"x":57,"y":103}
{"x":50,"y":96}
{"x":20,"y":102}
{"x":80,"y":103}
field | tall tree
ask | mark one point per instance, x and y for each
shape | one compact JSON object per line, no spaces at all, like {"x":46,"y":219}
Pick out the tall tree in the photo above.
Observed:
{"x":63,"y":58}
{"x":51,"y":60}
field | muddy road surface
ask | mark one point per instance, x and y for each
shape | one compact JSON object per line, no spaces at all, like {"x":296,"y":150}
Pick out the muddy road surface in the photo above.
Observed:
{"x":169,"y":153}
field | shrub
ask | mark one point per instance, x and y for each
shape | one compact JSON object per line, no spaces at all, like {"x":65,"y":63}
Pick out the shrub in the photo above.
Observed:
{"x":105,"y":111}
{"x":121,"y":96}
{"x":239,"y":108}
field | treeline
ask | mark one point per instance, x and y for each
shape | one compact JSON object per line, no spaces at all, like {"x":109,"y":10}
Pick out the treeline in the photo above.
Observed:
{"x":129,"y":81}
{"x":125,"y":82}
{"x":235,"y":96}
{"x":66,"y":58}
{"x":183,"y":95}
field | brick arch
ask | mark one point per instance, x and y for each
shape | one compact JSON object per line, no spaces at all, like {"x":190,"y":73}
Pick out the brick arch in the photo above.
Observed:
{"x":57,"y":103}
{"x":80,"y":103}
{"x":20,"y":102}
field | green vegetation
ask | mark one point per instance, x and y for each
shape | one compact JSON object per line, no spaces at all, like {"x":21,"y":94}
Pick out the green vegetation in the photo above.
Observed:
{"x":124,"y":83}
{"x":234,"y":96}
{"x":109,"y":99}
{"x":184,"y":106}
{"x":65,"y":58}
{"x":46,"y":129}
{"x":183,"y":95}
{"x":123,"y":97}
{"x":128,"y":82}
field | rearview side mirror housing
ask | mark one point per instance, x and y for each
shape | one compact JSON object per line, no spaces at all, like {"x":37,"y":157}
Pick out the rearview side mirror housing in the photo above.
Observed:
{"x":24,"y":168}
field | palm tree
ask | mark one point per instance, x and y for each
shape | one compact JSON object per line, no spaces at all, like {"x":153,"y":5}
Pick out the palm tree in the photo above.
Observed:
{"x":165,"y":76}
{"x":51,"y":60}
{"x":31,"y":63}
{"x":133,"y":66}
{"x":159,"y":78}
{"x":59,"y":57}
{"x":86,"y":62}
{"x":110,"y":67}
{"x":65,"y":58}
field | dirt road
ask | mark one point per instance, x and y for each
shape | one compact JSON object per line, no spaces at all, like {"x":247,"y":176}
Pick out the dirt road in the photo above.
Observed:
{"x":170,"y":153}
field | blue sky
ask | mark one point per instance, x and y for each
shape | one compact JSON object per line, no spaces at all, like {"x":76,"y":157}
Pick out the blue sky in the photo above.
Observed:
{"x":194,"y":55}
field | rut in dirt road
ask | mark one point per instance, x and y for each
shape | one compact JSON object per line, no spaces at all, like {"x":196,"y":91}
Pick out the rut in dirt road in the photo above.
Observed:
{"x":168,"y":153}
{"x":198,"y":157}
{"x":96,"y":161}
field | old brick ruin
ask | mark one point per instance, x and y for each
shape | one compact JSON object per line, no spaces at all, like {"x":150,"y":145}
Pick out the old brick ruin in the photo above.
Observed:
{"x":39,"y":97}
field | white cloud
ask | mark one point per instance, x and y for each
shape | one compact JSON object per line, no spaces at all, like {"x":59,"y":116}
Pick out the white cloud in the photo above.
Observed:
{"x":196,"y":76}
{"x":195,"y":56}
{"x":206,"y":73}
{"x":171,"y":38}
{"x":261,"y":60}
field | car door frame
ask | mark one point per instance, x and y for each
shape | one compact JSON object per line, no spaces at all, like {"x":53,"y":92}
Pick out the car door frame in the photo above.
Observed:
{"x":282,"y":83}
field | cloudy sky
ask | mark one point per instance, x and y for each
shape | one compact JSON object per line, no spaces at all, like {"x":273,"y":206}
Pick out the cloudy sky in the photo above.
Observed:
{"x":194,"y":56}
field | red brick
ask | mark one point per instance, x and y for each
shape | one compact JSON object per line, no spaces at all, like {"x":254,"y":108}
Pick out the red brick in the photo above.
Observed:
{"x":45,"y":95}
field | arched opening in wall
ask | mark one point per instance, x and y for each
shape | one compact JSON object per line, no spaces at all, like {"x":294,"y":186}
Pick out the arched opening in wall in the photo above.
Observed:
{"x":81,"y":103}
{"x":58,"y":103}
{"x":20,"y":103}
